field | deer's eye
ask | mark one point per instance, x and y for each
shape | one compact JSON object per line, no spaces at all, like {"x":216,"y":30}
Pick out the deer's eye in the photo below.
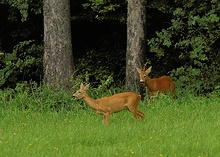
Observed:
{"x":144,"y":76}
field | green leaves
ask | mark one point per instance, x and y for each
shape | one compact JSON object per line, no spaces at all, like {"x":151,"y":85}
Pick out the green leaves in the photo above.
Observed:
{"x":179,"y":12}
{"x":19,"y":62}
{"x":25,"y":6}
{"x":214,"y":18}
{"x":101,"y":7}
{"x":164,"y":39}
{"x":22,"y":6}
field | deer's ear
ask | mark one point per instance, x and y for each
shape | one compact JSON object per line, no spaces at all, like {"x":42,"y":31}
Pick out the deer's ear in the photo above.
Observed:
{"x":86,"y":87}
{"x":148,"y":70}
{"x":138,"y":70}
{"x":81,"y":86}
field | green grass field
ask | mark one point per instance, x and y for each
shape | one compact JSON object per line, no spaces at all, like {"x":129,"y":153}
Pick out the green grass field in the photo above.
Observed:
{"x":188,"y":127}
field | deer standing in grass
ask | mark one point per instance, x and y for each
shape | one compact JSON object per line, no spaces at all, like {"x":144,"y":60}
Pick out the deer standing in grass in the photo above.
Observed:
{"x":111,"y":104}
{"x":156,"y":85}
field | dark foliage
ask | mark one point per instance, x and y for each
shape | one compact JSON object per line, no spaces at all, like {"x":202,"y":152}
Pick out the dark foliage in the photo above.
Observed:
{"x":182,"y":38}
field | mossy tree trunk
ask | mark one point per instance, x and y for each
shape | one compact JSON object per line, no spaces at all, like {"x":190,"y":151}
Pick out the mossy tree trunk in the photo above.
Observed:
{"x":58,"y":57}
{"x":136,"y":43}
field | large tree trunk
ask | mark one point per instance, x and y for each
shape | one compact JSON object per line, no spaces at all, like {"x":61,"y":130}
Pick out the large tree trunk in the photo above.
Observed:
{"x":58,"y":57}
{"x":136,"y":43}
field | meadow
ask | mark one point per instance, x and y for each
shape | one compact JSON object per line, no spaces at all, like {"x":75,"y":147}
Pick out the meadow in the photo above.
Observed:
{"x":188,"y":126}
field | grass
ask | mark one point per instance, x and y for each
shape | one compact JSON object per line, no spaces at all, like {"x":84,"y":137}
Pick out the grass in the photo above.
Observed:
{"x":188,"y":127}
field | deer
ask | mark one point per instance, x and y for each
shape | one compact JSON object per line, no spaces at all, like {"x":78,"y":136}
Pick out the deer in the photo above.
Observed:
{"x":155,"y":86}
{"x":112,"y":104}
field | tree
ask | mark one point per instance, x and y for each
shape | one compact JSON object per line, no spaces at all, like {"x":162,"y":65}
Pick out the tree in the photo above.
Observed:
{"x":58,"y":57}
{"x":136,"y":42}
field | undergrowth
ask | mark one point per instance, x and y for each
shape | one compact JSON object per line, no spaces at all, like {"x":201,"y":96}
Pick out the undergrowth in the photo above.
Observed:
{"x":36,"y":121}
{"x":42,"y":98}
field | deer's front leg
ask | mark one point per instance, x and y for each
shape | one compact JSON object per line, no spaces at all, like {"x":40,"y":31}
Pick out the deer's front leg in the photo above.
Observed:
{"x":150,"y":98}
{"x":106,"y":117}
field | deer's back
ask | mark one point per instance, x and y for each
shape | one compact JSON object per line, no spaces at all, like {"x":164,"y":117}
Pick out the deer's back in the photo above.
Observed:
{"x":120,"y":99}
{"x":161,"y":84}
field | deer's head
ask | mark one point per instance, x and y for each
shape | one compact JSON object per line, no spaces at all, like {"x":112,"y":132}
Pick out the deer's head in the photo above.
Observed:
{"x":81,"y":93}
{"x":144,"y":74}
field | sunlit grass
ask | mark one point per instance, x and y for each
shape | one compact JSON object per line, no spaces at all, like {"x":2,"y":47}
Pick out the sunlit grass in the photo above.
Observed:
{"x":188,"y":127}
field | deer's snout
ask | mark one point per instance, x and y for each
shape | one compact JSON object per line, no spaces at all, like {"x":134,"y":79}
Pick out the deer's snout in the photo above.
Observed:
{"x":75,"y":96}
{"x":141,"y":81}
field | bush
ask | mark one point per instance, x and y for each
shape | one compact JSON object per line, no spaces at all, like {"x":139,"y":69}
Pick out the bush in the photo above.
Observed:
{"x":191,"y":44}
{"x":41,"y":98}
{"x":23,"y":64}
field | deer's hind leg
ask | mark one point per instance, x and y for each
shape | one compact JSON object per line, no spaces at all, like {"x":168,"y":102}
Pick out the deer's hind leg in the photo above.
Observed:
{"x":172,"y":90}
{"x":141,"y":114}
{"x":134,"y":111}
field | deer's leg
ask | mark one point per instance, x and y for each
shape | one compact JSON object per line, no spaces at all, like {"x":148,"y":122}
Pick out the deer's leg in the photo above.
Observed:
{"x":141,"y":114}
{"x":153,"y":95}
{"x":148,"y":95}
{"x":106,"y":117}
{"x":172,"y":90}
{"x":149,"y":99}
{"x":173,"y":94}
{"x":135,"y":112}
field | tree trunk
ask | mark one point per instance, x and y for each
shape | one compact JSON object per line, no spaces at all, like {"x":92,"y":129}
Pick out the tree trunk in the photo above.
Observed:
{"x":58,"y":57}
{"x":136,"y":43}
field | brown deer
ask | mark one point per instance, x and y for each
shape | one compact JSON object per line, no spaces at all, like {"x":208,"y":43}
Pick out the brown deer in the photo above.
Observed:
{"x":111,"y":104}
{"x":156,"y":85}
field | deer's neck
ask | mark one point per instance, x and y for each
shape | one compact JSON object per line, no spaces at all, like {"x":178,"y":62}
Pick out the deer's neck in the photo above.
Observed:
{"x":90,"y":102}
{"x":149,"y":82}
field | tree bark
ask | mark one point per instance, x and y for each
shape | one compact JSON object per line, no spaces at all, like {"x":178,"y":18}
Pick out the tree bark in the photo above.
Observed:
{"x":58,"y":57}
{"x":136,"y":43}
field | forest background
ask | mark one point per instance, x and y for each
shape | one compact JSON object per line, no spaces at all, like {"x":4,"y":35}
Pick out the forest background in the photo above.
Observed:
{"x":182,"y":41}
